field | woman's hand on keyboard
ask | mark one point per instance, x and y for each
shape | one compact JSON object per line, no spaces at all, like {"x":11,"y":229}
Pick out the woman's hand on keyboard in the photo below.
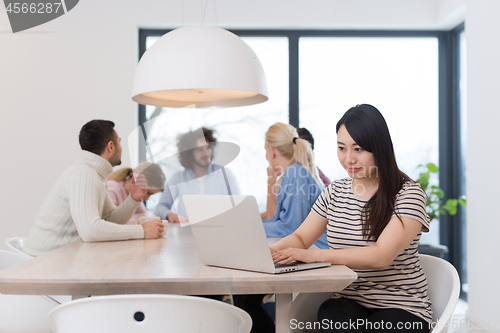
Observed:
{"x":290,"y":254}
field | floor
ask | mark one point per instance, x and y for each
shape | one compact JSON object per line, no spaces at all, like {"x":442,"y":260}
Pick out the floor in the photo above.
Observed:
{"x":459,"y":323}
{"x":458,"y":317}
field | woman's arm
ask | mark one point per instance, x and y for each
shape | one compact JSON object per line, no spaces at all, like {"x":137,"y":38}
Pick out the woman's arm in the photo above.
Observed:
{"x":394,"y":239}
{"x":306,"y":234}
{"x":85,"y":192}
{"x":271,"y":196}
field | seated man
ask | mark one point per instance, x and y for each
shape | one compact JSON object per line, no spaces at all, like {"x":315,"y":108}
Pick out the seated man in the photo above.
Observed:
{"x":78,"y":205}
{"x":200,"y":175}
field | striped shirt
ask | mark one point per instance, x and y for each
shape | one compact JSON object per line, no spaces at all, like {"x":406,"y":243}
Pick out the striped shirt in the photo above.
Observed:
{"x":402,"y":284}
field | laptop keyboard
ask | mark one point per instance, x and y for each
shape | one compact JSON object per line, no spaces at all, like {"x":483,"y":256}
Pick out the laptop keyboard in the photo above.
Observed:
{"x":280,"y":265}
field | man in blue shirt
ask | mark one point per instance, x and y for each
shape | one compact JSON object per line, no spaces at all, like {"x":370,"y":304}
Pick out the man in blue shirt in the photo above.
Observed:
{"x":200,"y":175}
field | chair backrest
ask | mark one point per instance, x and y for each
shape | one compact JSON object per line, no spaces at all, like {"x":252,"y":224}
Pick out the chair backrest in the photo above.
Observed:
{"x":17,"y":244}
{"x":23,"y":313}
{"x":443,"y":289}
{"x":148,"y":313}
{"x":9,"y":259}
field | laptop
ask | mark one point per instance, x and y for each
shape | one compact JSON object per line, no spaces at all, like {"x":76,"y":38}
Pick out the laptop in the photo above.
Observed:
{"x":228,"y":232}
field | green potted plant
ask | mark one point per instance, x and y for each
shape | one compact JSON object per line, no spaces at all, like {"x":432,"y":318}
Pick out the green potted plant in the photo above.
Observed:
{"x":435,"y":205}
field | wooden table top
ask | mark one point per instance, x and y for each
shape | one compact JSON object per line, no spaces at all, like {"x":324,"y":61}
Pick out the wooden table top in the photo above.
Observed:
{"x":168,"y":265}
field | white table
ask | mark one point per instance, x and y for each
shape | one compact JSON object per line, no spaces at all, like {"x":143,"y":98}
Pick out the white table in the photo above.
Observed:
{"x":169,"y":265}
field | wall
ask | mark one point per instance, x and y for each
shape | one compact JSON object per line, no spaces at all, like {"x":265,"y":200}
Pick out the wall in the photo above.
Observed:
{"x":56,"y":77}
{"x":483,"y":157}
{"x":449,"y":12}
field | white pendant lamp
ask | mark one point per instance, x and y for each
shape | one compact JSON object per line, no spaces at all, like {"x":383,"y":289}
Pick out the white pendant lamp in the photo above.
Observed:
{"x":203,"y":66}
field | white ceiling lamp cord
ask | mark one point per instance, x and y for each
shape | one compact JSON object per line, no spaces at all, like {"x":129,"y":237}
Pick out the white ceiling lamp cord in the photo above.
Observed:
{"x":204,"y":11}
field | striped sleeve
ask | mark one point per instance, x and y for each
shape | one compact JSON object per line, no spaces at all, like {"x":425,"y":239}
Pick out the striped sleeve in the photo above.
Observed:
{"x":320,"y":206}
{"x":410,"y":203}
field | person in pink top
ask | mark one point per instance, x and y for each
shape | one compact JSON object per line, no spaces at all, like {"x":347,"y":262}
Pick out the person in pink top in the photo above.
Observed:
{"x":120,"y":180}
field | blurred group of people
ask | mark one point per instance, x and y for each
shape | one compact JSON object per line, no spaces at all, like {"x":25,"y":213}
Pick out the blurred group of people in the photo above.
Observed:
{"x":201,"y":176}
{"x":91,"y":202}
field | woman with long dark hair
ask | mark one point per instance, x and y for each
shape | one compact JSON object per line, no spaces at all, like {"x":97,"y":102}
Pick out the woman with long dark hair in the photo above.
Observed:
{"x":374,"y":219}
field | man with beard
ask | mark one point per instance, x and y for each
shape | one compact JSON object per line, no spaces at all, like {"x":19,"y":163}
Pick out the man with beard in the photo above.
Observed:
{"x":200,"y":175}
{"x":78,"y":205}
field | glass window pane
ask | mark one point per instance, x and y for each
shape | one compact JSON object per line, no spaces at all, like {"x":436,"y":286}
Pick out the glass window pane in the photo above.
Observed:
{"x":150,"y":40}
{"x":244,"y":126}
{"x":399,"y":76}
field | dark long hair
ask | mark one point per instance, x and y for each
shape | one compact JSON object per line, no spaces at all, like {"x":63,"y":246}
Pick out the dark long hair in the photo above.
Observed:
{"x":367,"y":127}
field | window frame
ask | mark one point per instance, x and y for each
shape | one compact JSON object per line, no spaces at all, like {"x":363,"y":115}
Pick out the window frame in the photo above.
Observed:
{"x":450,"y":157}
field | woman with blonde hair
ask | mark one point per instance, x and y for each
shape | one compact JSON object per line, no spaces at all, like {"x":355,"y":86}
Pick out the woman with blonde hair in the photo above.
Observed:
{"x":119,"y":185}
{"x":293,"y":182}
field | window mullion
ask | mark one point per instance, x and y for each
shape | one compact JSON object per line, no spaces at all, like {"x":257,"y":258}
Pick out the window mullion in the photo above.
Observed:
{"x":293,"y":63}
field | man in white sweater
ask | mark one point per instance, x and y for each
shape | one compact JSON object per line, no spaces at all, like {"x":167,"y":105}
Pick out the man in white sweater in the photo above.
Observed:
{"x":78,"y":205}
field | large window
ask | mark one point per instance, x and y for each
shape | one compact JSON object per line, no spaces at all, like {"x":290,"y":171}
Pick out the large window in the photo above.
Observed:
{"x":314,"y":77}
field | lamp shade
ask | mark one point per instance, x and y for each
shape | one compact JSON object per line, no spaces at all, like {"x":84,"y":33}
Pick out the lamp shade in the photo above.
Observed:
{"x":199,"y":65}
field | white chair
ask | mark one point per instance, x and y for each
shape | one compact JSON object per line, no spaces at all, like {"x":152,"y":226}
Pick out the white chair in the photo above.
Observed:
{"x":17,"y":244}
{"x":443,"y":291}
{"x":22,"y":313}
{"x":148,"y":313}
{"x":9,"y":259}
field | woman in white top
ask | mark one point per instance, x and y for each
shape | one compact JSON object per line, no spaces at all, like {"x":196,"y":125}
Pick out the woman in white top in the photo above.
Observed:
{"x":373,"y":220}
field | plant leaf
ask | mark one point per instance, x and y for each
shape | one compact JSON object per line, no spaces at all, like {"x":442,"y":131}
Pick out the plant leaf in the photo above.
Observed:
{"x":432,"y":167}
{"x":452,"y":202}
{"x":424,"y":178}
{"x":451,"y":206}
{"x":438,"y":192}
